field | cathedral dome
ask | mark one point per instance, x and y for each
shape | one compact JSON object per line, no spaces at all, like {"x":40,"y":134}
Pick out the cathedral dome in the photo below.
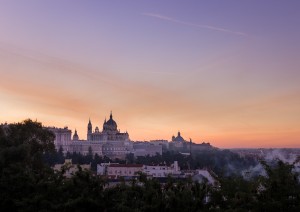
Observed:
{"x":179,"y":138}
{"x":110,"y":124}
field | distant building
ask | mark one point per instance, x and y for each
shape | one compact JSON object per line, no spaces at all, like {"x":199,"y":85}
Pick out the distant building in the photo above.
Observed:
{"x":199,"y":147}
{"x":163,"y":143}
{"x":75,"y":136}
{"x":102,"y":168}
{"x":62,"y":138}
{"x":108,"y":142}
{"x":83,"y":147}
{"x":112,"y":143}
{"x":115,"y":171}
{"x":186,"y":147}
{"x":110,"y":132}
{"x":178,"y":141}
{"x":146,"y":148}
{"x":70,"y":169}
{"x":162,"y":171}
{"x":178,"y":138}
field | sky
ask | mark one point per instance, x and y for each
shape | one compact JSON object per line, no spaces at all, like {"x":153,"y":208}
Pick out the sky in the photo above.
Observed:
{"x":224,"y":72}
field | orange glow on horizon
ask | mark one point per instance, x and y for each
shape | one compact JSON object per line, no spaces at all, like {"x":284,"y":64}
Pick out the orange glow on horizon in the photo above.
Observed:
{"x":157,"y":76}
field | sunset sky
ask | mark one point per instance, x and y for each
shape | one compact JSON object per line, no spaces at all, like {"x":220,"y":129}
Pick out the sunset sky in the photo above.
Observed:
{"x":224,"y":72}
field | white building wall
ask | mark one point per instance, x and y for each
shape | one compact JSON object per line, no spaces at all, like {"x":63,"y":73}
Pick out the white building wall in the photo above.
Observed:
{"x":162,"y":171}
{"x":125,"y":170}
{"x":62,"y":138}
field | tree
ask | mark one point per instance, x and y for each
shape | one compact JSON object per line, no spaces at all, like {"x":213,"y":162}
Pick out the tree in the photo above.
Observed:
{"x":21,"y":164}
{"x":280,"y":189}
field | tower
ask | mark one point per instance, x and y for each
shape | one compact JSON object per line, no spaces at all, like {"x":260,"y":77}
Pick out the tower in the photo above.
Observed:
{"x":89,"y":130}
{"x":75,"y":136}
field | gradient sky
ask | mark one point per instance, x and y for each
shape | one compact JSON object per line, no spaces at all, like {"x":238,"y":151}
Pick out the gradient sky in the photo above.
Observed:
{"x":225,"y":72}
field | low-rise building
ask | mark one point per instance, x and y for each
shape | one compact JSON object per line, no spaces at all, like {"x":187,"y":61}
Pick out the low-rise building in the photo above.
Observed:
{"x":115,"y":171}
{"x":69,"y":168}
{"x":102,"y":168}
{"x":162,"y":171}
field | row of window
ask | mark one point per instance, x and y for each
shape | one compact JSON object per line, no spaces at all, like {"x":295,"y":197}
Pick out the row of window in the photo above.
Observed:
{"x":120,"y":172}
{"x":113,"y":148}
{"x":156,"y":168}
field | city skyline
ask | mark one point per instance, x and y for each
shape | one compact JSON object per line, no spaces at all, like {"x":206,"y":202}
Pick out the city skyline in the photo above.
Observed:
{"x":220,"y":72}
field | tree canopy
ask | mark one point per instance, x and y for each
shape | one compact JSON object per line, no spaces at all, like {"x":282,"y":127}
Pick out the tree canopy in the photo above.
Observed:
{"x":28,"y":183}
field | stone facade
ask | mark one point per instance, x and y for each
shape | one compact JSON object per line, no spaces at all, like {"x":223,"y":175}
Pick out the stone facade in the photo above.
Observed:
{"x":115,"y":171}
{"x":112,"y":143}
{"x":109,"y":142}
{"x":146,"y":148}
{"x":62,"y":138}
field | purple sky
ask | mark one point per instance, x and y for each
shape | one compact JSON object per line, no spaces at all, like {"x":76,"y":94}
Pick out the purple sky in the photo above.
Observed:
{"x":220,"y":71}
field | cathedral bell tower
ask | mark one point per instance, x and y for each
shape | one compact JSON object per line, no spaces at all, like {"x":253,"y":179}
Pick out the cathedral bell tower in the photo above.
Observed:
{"x":75,"y":136}
{"x":89,"y":131}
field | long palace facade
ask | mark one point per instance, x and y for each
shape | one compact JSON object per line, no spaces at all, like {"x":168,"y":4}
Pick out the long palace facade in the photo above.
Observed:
{"x":108,"y":142}
{"x":112,"y":143}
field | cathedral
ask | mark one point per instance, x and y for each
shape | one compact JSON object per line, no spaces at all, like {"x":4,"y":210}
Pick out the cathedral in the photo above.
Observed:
{"x":108,"y":142}
{"x":110,"y":132}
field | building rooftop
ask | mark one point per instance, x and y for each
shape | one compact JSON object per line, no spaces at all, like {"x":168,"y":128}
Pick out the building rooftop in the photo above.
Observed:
{"x":126,"y":165}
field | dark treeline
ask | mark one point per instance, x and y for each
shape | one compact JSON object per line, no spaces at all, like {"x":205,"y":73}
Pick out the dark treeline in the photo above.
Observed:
{"x":27,"y":183}
{"x":57,"y":157}
{"x":222,"y":162}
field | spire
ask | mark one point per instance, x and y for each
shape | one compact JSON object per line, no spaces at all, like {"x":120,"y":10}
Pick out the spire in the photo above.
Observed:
{"x":75,"y":136}
{"x":89,"y":126}
{"x":105,"y":120}
{"x":110,"y":115}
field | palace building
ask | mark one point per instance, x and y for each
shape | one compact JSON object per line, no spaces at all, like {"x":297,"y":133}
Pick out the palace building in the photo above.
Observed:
{"x":108,"y":142}
{"x":112,"y":143}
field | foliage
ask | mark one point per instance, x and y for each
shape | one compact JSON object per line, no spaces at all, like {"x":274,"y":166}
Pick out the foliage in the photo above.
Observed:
{"x":27,"y":182}
{"x":22,"y":170}
{"x":280,"y":188}
{"x":222,"y":162}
